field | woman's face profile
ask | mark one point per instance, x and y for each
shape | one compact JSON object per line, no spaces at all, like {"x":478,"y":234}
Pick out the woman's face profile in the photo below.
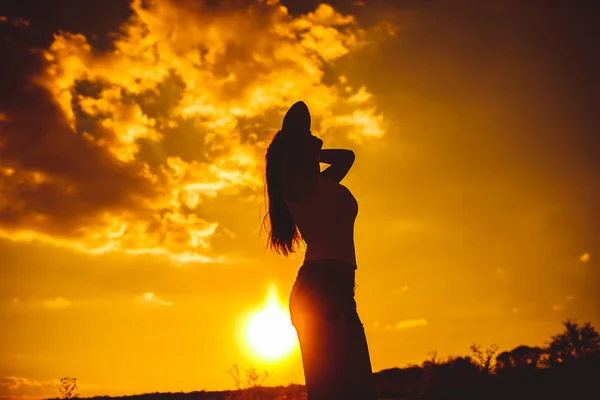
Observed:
{"x":317,"y":142}
{"x":310,"y":144}
{"x":304,"y":148}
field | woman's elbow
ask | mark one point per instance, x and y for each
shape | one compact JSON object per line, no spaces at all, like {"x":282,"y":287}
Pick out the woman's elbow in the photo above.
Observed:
{"x":351,"y":156}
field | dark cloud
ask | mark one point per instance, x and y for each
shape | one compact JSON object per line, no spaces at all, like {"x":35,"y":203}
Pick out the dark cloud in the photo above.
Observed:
{"x":113,"y":132}
{"x":76,"y":179}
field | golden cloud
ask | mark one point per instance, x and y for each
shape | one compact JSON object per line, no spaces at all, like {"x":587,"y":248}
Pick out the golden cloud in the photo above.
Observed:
{"x":411,"y":323}
{"x":15,"y":382}
{"x":22,"y":388}
{"x":39,"y":304}
{"x":151,"y":298}
{"x":117,"y":150}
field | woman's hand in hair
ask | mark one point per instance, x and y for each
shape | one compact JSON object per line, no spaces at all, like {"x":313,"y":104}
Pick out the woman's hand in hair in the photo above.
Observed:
{"x":340,"y":160}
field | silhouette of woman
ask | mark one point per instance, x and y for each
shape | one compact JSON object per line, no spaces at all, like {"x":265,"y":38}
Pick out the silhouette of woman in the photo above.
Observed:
{"x":305,"y":204}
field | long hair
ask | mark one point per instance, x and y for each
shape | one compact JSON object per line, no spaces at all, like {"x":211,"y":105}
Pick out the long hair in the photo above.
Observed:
{"x":283,"y":234}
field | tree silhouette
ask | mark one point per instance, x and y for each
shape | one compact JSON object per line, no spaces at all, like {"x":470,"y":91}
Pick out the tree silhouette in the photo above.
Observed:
{"x":574,"y":343}
{"x":484,"y":359}
{"x":519,"y":357}
{"x":457,"y":368}
{"x":68,"y":388}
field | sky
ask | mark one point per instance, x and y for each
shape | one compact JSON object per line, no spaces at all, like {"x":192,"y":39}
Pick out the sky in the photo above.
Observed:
{"x":132,"y":142}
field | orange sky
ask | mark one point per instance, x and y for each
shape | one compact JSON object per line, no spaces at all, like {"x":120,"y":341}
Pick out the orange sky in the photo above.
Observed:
{"x":131,"y":186}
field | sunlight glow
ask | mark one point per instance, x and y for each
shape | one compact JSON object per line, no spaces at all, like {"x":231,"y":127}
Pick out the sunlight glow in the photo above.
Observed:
{"x":269,"y":332}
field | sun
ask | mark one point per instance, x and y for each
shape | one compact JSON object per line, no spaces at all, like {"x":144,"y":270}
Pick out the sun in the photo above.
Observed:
{"x":269,"y":331}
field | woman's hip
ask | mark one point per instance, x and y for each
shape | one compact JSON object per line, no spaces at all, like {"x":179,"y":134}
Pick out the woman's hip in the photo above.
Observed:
{"x":323,"y":291}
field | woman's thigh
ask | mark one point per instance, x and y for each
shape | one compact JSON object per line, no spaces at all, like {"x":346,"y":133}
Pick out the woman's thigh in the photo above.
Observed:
{"x":335,"y":357}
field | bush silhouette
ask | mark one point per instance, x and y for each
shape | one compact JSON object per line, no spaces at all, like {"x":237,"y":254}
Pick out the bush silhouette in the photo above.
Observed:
{"x":68,"y":388}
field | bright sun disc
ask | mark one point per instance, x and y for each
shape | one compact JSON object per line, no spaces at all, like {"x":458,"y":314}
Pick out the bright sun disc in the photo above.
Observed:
{"x":269,"y":332}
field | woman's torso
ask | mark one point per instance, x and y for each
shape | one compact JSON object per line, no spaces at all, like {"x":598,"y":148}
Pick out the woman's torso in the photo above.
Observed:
{"x":326,"y":222}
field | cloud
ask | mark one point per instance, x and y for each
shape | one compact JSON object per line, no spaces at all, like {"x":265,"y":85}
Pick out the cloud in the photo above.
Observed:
{"x":525,"y":308}
{"x":18,"y":387}
{"x":16,"y":382}
{"x":564,"y":301}
{"x":585,"y":257}
{"x":13,"y":22}
{"x":151,"y":298}
{"x":56,"y":303}
{"x":402,"y":289}
{"x":116,"y":150}
{"x":409,"y":323}
{"x":33,"y":303}
{"x":24,"y":388}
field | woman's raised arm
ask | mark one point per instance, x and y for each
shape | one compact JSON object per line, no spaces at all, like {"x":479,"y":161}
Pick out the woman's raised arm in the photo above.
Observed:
{"x":340,"y":161}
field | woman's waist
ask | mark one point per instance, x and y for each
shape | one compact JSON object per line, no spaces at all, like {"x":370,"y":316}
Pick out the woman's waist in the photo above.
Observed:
{"x":343,"y":266}
{"x":342,"y":258}
{"x":329,"y":271}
